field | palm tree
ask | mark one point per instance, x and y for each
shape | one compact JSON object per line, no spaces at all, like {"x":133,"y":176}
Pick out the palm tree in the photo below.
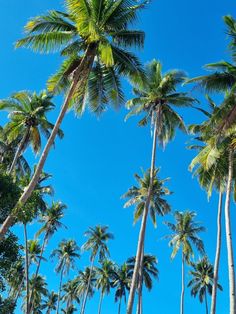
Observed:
{"x":156,"y":95}
{"x":66,"y":253}
{"x":97,"y":244}
{"x":121,"y":282}
{"x":70,"y":310}
{"x":70,"y":295}
{"x":202,"y":280}
{"x":94,"y":36}
{"x":104,"y":275}
{"x":27,"y":112}
{"x":50,"y":303}
{"x":86,"y":283}
{"x":185,"y":235}
{"x":148,"y":271}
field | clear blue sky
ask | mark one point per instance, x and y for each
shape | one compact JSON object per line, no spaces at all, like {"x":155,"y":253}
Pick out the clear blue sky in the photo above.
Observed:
{"x":94,"y":164}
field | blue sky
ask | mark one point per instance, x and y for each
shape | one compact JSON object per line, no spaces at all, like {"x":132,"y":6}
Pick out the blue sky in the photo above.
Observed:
{"x":94,"y":164}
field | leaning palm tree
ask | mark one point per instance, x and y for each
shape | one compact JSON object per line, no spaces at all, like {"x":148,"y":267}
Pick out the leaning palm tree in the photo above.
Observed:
{"x":95,"y":37}
{"x":148,"y":271}
{"x":97,"y":245}
{"x":201,"y":284}
{"x":121,"y":282}
{"x":50,"y":303}
{"x":27,"y":113}
{"x":185,"y":236}
{"x":70,"y":291}
{"x":104,"y":275}
{"x":66,"y":253}
{"x":156,"y":97}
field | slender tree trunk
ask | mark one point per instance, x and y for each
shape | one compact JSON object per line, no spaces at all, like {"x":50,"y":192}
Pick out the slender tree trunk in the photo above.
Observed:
{"x":206,"y":302}
{"x":143,"y":226}
{"x":59,"y":291}
{"x":140,"y":287}
{"x":183,"y":288}
{"x":37,"y":271}
{"x":18,"y":151}
{"x":19,"y":289}
{"x":119,"y":307}
{"x":82,"y":71}
{"x":229,"y":236}
{"x":100,"y":304}
{"x":87,"y":290}
{"x":26,"y":268}
{"x":217,"y":256}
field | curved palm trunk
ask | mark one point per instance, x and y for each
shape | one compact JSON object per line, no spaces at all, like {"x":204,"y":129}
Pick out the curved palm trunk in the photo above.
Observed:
{"x":217,"y":257}
{"x":19,"y":151}
{"x":229,"y":235}
{"x":59,"y":291}
{"x":82,"y":71}
{"x":37,"y":271}
{"x":143,"y":226}
{"x":140,"y":287}
{"x":26,"y":268}
{"x":88,"y":285}
{"x":183,"y":288}
{"x":100,"y":304}
{"x":206,"y":302}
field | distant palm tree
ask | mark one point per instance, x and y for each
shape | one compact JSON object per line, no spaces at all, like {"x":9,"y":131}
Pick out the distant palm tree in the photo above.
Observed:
{"x":121,"y":282}
{"x":148,"y":271}
{"x":97,"y":244}
{"x":70,"y":310}
{"x":50,"y":303}
{"x":156,"y":95}
{"x":28,"y":119}
{"x":95,"y":38}
{"x":66,"y":253}
{"x":185,"y":235}
{"x":70,"y":291}
{"x":104,"y":275}
{"x":202,"y":280}
{"x":86,"y":283}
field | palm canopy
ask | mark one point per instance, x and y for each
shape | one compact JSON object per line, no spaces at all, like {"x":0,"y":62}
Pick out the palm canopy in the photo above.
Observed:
{"x":70,"y":292}
{"x":104,"y":275}
{"x":98,"y":26}
{"x":86,"y":281}
{"x":27,"y":113}
{"x":39,"y":291}
{"x":149,"y":269}
{"x":97,"y":241}
{"x":202,"y":275}
{"x":66,"y":253}
{"x":121,"y":281}
{"x":50,"y":303}
{"x":137,"y":196}
{"x":155,"y":96}
{"x":185,"y":234}
{"x":34,"y":250}
{"x":51,"y":219}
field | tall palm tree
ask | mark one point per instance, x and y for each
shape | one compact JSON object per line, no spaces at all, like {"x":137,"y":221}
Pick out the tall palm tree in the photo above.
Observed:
{"x":184,"y":236}
{"x":95,"y":38}
{"x":27,"y":113}
{"x":104,"y":275}
{"x":202,"y":274}
{"x":50,"y":303}
{"x":86,"y":281}
{"x":148,"y":271}
{"x":121,"y":282}
{"x":70,"y":291}
{"x":97,"y":244}
{"x":156,"y":95}
{"x":66,"y":253}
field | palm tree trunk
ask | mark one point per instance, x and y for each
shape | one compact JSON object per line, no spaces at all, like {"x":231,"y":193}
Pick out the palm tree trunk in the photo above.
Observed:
{"x":217,"y":257}
{"x":59,"y":291}
{"x":206,"y":302}
{"x":100,"y":304}
{"x":37,"y":270}
{"x":26,"y":268}
{"x":140,"y":287}
{"x":143,"y":226}
{"x":119,"y":307}
{"x":18,"y":151}
{"x":229,"y":236}
{"x":82,"y":71}
{"x":87,"y":290}
{"x":183,"y":288}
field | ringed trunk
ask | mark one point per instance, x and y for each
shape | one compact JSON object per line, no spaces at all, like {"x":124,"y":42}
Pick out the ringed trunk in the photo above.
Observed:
{"x":183,"y":288}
